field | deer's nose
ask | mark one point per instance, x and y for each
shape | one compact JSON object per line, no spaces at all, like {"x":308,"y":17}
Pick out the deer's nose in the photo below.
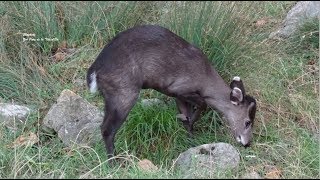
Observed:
{"x":241,"y":140}
{"x":238,"y":139}
{"x":247,"y":145}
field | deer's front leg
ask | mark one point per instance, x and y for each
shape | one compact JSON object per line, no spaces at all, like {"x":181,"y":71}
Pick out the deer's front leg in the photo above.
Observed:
{"x":188,"y":114}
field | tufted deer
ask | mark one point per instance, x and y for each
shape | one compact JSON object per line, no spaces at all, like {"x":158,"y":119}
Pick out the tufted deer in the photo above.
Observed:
{"x":151,"y":56}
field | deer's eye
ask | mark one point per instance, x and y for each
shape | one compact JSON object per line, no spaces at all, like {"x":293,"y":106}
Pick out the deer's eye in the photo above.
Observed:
{"x":248,"y":123}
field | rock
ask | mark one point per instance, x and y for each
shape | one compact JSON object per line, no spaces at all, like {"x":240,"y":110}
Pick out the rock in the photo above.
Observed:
{"x":13,"y":110}
{"x":260,"y":23}
{"x":251,"y":175}
{"x":79,"y":82}
{"x":147,"y":165}
{"x":206,"y":160}
{"x":74,"y":119}
{"x":59,"y":56}
{"x":150,"y":102}
{"x":62,"y":53}
{"x":297,"y":16}
{"x":13,"y":115}
{"x":25,"y":140}
{"x":272,"y":172}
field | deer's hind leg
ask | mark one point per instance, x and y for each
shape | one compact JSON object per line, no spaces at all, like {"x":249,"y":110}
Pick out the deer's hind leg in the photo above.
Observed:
{"x":117,"y":107}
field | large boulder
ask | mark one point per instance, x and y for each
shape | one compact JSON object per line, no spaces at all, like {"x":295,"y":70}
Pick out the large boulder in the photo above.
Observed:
{"x":302,"y":12}
{"x":74,"y":119}
{"x":12,"y":115}
{"x":207,"y":160}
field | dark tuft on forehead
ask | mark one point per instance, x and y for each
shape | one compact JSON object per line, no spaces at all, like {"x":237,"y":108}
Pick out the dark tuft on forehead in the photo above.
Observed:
{"x":248,"y":99}
{"x":252,"y":112}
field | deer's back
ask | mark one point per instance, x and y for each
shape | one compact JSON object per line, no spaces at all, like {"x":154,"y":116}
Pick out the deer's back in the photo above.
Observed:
{"x":152,"y":57}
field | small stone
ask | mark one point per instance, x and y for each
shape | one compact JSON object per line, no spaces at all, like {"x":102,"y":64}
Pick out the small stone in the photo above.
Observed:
{"x":13,"y":115}
{"x":150,"y":102}
{"x":12,"y":110}
{"x":260,"y":23}
{"x":147,"y":165}
{"x":79,"y":82}
{"x":251,"y":175}
{"x":59,"y":56}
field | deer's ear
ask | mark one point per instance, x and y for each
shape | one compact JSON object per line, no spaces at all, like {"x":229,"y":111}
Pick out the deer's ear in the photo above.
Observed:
{"x":236,"y":96}
{"x":237,"y":82}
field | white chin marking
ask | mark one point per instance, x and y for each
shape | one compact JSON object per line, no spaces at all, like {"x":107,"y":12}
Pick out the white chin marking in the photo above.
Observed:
{"x":236,"y":78}
{"x":93,"y":84}
{"x":242,"y":141}
{"x":238,"y":139}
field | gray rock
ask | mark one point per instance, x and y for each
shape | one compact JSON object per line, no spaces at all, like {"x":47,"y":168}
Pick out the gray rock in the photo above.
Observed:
{"x":13,"y":115}
{"x":150,"y":102}
{"x":206,"y":160}
{"x":79,"y":82}
{"x":297,"y":16}
{"x":74,"y":119}
{"x":251,"y":175}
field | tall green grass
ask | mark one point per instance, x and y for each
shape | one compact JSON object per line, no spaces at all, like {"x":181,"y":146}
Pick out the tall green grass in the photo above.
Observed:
{"x":215,"y":27}
{"x":27,"y":81}
{"x":78,"y":23}
{"x":94,"y":23}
